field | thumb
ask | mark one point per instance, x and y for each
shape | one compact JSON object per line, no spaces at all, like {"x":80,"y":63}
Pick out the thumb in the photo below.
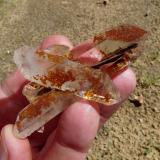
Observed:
{"x":12,"y":148}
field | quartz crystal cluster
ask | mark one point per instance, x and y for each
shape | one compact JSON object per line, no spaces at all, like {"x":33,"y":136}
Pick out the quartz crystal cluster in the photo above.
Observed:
{"x":57,"y":79}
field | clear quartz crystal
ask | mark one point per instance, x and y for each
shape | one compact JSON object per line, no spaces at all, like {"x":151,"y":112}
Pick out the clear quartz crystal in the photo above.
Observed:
{"x":38,"y":113}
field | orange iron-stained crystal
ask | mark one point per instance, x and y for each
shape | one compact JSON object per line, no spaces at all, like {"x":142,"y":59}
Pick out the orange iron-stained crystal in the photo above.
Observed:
{"x":39,"y":112}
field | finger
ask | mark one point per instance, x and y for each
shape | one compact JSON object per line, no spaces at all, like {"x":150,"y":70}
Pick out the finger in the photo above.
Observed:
{"x":11,"y":98}
{"x":81,"y":48}
{"x":55,"y":39}
{"x":125,"y":84}
{"x":12,"y":85}
{"x":12,"y":148}
{"x":89,"y":57}
{"x":76,"y":130}
{"x":85,"y":52}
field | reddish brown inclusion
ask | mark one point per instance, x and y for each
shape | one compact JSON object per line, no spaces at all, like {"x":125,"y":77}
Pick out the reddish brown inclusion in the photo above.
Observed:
{"x":117,"y":67}
{"x":40,"y":53}
{"x":93,"y":80}
{"x":123,"y":33}
{"x":52,"y":57}
{"x":33,"y":110}
{"x":95,"y":84}
{"x":57,"y":77}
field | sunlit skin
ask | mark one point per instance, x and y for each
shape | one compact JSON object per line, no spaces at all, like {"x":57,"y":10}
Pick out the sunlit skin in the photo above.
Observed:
{"x":59,"y":140}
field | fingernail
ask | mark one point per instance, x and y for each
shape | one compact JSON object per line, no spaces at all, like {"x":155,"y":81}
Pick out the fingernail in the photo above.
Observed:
{"x":3,"y":148}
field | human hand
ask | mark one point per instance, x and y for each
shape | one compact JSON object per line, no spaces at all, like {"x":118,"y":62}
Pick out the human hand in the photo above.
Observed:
{"x":69,"y":135}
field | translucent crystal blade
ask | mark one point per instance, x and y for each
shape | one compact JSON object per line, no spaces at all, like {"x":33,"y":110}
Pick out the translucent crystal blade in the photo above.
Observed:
{"x":118,"y":37}
{"x":40,"y":111}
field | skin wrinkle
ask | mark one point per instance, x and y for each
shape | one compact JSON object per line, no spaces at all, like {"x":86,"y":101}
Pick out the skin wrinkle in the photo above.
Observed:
{"x":77,"y":149}
{"x":64,"y":153}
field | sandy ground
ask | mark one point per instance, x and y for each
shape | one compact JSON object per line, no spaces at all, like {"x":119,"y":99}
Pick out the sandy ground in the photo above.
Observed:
{"x":133,"y":133}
